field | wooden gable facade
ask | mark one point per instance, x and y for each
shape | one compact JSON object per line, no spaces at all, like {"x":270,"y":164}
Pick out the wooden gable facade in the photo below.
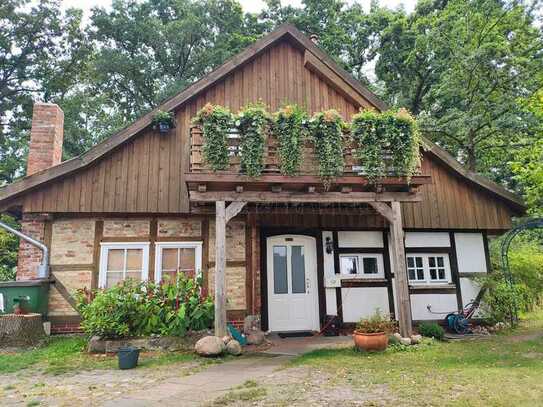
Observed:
{"x":146,"y":174}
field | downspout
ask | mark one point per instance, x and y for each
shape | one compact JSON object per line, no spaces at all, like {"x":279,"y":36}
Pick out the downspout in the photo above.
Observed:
{"x":43,"y":268}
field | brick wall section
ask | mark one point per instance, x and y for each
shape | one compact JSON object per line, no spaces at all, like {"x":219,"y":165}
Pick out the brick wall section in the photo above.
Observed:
{"x":72,"y":241}
{"x":127,"y":228}
{"x":30,"y":256}
{"x":235,"y":287}
{"x":235,"y":240}
{"x":46,"y":137}
{"x":186,"y":227}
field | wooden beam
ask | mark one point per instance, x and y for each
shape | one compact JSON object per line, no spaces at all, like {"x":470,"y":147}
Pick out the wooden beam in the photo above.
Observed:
{"x":233,"y":209}
{"x":300,"y":197}
{"x":220,"y":269}
{"x":383,"y":209}
{"x":400,"y":271}
{"x":264,"y":179}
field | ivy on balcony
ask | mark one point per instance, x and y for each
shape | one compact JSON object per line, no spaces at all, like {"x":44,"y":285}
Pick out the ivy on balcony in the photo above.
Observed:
{"x":378,"y":144}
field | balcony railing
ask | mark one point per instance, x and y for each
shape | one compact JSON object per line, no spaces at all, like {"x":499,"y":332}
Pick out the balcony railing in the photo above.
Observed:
{"x":308,"y":167}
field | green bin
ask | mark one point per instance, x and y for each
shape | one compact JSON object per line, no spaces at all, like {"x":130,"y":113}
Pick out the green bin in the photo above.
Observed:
{"x":36,"y":292}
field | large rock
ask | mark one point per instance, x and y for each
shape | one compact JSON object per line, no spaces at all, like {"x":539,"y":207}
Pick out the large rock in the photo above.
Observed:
{"x":405,"y":341}
{"x":415,"y":339}
{"x":96,"y":345}
{"x":209,"y":346}
{"x":256,"y":338}
{"x":233,"y":347}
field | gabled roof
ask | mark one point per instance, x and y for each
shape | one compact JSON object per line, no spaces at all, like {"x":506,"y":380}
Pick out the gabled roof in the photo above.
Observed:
{"x":331,"y":69}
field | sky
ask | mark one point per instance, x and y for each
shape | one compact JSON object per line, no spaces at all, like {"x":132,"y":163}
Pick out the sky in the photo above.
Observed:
{"x":250,"y":6}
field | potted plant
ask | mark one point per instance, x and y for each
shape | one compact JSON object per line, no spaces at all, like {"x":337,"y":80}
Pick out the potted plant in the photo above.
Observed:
{"x":163,"y":121}
{"x":371,"y":334}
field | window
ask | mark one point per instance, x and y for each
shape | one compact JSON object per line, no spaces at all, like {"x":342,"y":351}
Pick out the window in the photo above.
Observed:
{"x":119,"y":261}
{"x":362,"y":265}
{"x":428,"y":268}
{"x":177,"y":257}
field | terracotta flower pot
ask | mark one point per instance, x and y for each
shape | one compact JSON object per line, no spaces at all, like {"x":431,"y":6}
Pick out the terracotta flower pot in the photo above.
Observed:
{"x":370,"y":342}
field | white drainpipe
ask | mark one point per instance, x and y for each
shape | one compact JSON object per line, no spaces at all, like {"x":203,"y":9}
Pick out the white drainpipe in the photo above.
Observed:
{"x":43,"y":268}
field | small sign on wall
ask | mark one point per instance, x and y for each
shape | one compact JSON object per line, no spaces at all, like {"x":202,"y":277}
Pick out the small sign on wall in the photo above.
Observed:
{"x":332,"y":281}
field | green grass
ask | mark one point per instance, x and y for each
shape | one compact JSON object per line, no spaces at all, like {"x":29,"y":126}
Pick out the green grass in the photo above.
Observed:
{"x":67,"y":354}
{"x":501,"y":370}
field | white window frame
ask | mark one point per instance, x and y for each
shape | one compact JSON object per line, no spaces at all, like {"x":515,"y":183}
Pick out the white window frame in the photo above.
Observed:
{"x":104,"y":251}
{"x":360,"y":265}
{"x":159,"y":246}
{"x":426,"y":267}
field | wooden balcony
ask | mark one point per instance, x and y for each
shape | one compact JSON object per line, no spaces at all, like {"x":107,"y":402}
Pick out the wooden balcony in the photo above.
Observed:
{"x":232,"y":182}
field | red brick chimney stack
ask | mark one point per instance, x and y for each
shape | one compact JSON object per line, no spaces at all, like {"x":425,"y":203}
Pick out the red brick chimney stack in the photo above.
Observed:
{"x":46,"y":137}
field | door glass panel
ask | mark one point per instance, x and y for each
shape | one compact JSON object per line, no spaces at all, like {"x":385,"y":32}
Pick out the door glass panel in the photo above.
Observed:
{"x":280,"y":270}
{"x":298,"y":270}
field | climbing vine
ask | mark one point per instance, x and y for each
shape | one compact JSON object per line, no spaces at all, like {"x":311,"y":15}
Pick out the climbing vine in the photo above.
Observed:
{"x":252,"y":122}
{"x":326,"y":129}
{"x":290,"y":130}
{"x":216,"y":122}
{"x":392,"y":134}
{"x":384,"y":143}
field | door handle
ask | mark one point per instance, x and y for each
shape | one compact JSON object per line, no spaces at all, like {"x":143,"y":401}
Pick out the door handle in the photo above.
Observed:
{"x":307,"y":285}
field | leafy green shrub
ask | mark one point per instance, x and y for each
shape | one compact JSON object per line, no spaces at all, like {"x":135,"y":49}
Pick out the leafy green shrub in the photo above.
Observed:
{"x":432,"y":330}
{"x":146,"y":308}
{"x":378,"y":322}
{"x":9,"y":246}
{"x":526,"y":266}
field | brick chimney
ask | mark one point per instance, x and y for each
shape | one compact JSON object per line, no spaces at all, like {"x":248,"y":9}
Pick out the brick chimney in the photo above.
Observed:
{"x":46,"y":137}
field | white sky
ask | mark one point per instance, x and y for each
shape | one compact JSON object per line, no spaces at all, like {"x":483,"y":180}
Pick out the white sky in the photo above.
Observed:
{"x":251,"y":6}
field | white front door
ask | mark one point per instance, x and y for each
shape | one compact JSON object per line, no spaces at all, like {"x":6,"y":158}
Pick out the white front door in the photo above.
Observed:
{"x":292,"y":283}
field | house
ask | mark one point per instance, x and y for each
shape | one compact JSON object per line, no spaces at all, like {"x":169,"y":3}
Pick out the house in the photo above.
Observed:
{"x":141,"y":205}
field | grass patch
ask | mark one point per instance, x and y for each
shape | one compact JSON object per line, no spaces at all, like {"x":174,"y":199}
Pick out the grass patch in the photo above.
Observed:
{"x":500,"y":370}
{"x":63,"y":354}
{"x":235,"y":396}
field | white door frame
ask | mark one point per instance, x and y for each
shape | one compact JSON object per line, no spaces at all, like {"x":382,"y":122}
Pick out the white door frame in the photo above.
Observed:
{"x":309,"y":301}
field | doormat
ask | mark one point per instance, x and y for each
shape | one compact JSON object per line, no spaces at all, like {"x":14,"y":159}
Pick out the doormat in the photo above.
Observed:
{"x":300,"y":334}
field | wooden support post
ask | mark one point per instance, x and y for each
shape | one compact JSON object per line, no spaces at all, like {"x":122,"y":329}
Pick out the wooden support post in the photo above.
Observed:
{"x":222,"y":215}
{"x":400,"y":272}
{"x":393,"y":214}
{"x":220,"y":269}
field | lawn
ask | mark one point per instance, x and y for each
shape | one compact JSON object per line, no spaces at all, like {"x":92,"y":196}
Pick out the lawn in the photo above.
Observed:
{"x":62,"y":354}
{"x":503,"y":370}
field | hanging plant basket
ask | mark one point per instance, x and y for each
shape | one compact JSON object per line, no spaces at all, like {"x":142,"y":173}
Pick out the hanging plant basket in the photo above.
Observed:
{"x":163,"y":122}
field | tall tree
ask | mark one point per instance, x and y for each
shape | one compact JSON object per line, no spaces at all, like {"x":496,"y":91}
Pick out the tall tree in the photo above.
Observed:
{"x":41,"y":52}
{"x":150,"y":50}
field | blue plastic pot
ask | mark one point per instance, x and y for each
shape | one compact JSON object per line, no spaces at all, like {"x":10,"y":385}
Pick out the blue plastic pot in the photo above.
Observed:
{"x":128,"y":357}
